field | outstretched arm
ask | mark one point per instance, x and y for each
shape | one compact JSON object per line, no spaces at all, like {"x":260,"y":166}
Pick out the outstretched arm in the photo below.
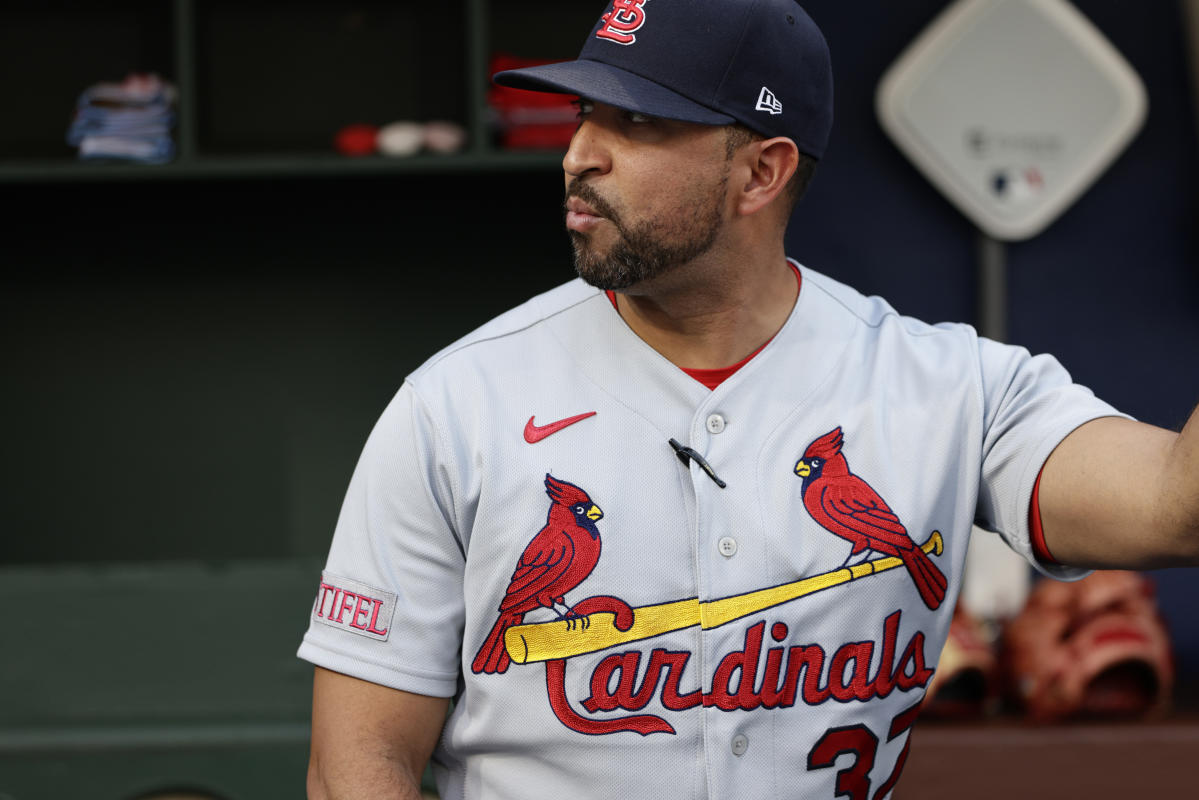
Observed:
{"x":369,"y":740}
{"x":1117,"y":493}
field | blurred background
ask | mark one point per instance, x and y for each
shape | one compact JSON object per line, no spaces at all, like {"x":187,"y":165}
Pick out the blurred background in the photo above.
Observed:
{"x":200,"y":335}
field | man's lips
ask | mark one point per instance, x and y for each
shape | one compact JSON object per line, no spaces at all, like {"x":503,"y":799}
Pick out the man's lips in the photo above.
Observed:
{"x":580,"y":216}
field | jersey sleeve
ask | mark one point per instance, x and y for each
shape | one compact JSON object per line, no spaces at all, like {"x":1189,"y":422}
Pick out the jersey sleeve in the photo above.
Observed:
{"x":1030,"y":404}
{"x":389,"y":607}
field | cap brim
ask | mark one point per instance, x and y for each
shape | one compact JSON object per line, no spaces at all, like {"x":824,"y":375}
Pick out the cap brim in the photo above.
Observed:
{"x":605,"y":83}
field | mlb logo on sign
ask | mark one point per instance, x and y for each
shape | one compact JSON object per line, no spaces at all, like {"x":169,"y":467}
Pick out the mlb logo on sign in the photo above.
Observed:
{"x":768,"y":102}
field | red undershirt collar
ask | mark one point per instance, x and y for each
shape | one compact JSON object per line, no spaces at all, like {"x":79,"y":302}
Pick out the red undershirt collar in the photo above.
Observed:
{"x":714,"y":377}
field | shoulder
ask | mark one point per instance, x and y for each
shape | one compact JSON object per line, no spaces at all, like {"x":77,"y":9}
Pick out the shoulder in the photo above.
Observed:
{"x":872,"y":315}
{"x":506,"y":334}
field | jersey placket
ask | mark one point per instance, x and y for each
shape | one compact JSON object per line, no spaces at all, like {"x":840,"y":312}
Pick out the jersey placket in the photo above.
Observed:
{"x":735,"y":741}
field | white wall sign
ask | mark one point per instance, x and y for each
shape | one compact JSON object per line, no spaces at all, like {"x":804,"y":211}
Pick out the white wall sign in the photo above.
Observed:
{"x":1012,"y":108}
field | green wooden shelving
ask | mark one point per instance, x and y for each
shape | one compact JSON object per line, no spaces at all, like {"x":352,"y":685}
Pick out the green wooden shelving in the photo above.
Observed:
{"x":198,"y":157}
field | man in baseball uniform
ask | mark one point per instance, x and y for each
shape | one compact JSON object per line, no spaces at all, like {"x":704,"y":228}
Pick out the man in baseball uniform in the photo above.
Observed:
{"x":693,"y":525}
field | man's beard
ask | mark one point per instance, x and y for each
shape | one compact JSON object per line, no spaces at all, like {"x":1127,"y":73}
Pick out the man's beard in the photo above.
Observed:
{"x":648,"y":249}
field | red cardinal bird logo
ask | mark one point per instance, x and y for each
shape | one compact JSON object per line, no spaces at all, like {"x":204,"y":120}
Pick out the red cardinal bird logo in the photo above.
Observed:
{"x":558,"y":559}
{"x":845,"y":504}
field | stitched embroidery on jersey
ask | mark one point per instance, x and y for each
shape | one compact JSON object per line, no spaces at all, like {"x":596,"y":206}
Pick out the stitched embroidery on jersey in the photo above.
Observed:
{"x":562,"y":555}
{"x":846,"y":506}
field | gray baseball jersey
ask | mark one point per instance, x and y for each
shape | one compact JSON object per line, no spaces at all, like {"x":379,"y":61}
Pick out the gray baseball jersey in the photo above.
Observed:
{"x":634,"y":586}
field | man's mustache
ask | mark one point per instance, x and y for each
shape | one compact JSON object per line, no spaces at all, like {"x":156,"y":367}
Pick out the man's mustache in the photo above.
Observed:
{"x":587,"y":193}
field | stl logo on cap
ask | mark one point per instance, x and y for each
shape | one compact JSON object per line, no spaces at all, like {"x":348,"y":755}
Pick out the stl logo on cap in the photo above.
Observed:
{"x":625,"y":18}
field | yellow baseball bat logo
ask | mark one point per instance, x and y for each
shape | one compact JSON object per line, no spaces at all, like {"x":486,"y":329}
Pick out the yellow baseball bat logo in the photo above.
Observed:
{"x":546,"y":641}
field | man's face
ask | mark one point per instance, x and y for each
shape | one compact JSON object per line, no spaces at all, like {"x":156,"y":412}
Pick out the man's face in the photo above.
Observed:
{"x":644,"y":196}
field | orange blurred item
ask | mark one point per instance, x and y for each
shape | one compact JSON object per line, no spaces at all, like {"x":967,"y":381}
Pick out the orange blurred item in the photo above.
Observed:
{"x":1093,"y":648}
{"x":965,"y":684}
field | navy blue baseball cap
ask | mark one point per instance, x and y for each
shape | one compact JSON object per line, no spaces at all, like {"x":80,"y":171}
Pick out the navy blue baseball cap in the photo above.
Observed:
{"x":762,"y":63}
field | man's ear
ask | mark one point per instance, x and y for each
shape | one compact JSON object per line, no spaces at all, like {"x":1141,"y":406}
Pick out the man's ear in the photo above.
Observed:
{"x":771,"y":164}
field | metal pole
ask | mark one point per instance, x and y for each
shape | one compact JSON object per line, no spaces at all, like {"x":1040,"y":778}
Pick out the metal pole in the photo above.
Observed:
{"x":185,"y":80}
{"x":992,"y":288}
{"x":997,"y":581}
{"x":478,"y":47}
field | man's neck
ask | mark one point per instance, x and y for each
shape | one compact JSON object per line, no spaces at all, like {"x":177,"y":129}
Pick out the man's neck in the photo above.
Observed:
{"x":717,"y":318}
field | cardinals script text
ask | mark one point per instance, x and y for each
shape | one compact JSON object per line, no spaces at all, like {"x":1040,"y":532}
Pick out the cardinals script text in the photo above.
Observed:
{"x":743,"y":680}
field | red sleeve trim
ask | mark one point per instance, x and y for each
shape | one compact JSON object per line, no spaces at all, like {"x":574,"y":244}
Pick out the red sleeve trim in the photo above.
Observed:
{"x":1037,"y":533}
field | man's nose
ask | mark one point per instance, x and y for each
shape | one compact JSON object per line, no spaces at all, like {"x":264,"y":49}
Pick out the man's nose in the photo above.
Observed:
{"x":587,"y":151}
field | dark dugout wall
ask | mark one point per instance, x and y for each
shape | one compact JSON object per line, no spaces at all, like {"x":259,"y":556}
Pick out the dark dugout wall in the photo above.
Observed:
{"x":1111,"y":288}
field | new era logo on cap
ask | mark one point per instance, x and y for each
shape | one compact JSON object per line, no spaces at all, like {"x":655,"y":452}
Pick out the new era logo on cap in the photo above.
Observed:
{"x":768,"y":102}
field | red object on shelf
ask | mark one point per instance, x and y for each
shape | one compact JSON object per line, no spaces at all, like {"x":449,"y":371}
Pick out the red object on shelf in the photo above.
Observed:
{"x":356,"y":140}
{"x":530,"y":120}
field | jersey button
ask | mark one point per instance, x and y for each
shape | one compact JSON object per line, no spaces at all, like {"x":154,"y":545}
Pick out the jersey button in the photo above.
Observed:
{"x":715,"y":424}
{"x":740,"y":745}
{"x":727,"y":546}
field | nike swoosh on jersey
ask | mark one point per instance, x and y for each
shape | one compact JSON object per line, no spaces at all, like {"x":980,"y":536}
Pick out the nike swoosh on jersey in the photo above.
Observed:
{"x":535,"y":433}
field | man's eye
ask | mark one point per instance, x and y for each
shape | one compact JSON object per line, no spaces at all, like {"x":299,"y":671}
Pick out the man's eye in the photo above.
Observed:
{"x":583,"y":107}
{"x":638,"y":118}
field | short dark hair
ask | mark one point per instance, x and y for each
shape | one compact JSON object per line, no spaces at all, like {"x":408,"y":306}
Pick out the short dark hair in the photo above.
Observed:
{"x":737,"y":136}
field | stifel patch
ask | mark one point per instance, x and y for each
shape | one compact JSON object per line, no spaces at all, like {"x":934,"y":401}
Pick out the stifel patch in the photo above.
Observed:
{"x":354,"y":607}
